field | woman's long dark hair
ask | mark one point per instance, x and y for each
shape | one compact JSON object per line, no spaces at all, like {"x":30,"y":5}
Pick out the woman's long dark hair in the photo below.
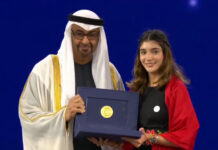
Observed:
{"x":169,"y":67}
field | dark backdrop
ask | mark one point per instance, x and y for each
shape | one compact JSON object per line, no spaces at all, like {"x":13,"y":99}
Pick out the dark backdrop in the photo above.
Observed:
{"x":30,"y":30}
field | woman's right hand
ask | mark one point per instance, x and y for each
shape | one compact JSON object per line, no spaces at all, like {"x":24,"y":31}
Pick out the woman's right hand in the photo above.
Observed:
{"x":137,"y":142}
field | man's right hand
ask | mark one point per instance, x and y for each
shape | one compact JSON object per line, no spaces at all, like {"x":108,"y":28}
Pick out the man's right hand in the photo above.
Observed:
{"x":75,"y":105}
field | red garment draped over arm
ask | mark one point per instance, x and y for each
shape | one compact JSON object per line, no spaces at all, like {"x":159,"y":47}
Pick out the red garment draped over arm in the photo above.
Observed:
{"x":183,"y":124}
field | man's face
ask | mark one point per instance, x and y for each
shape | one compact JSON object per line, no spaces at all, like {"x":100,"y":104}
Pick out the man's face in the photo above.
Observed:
{"x":84,"y":42}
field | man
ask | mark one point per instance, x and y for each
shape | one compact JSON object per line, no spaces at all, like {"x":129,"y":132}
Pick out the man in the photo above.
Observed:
{"x":49,"y":103}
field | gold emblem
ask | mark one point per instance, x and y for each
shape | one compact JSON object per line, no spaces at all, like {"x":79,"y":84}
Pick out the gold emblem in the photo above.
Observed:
{"x":106,"y":111}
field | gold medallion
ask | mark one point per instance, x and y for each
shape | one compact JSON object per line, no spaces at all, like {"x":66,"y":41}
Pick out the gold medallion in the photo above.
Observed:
{"x":106,"y":111}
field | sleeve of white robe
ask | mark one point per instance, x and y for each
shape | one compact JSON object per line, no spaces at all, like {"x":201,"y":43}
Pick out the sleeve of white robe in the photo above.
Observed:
{"x":119,"y":81}
{"x":42,"y":127}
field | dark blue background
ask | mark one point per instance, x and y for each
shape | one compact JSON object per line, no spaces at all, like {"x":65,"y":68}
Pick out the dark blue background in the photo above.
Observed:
{"x":30,"y":30}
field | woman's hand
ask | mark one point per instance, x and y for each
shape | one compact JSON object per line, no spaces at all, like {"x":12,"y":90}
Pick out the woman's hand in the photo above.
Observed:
{"x":138,"y":142}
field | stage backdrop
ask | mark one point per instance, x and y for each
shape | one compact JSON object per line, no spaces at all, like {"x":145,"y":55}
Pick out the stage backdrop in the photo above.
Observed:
{"x":30,"y":30}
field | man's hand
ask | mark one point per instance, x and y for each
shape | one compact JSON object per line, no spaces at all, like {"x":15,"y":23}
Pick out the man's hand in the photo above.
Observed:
{"x":75,"y":105}
{"x":138,"y":142}
{"x":102,"y":142}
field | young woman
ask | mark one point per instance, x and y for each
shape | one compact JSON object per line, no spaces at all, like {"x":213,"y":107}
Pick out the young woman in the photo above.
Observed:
{"x":167,"y":118}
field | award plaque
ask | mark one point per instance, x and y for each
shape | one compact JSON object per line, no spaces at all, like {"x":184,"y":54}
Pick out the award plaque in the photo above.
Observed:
{"x":109,"y":114}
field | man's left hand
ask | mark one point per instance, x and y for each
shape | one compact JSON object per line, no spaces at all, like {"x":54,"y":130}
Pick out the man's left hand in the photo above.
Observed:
{"x":107,"y":142}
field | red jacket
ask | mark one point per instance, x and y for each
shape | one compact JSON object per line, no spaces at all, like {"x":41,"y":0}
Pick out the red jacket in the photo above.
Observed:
{"x":183,"y":124}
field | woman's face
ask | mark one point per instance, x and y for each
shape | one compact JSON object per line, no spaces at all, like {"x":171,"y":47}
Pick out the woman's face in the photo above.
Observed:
{"x":151,"y":56}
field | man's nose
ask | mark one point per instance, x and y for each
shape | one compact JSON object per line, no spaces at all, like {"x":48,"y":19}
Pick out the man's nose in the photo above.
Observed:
{"x":85,"y":40}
